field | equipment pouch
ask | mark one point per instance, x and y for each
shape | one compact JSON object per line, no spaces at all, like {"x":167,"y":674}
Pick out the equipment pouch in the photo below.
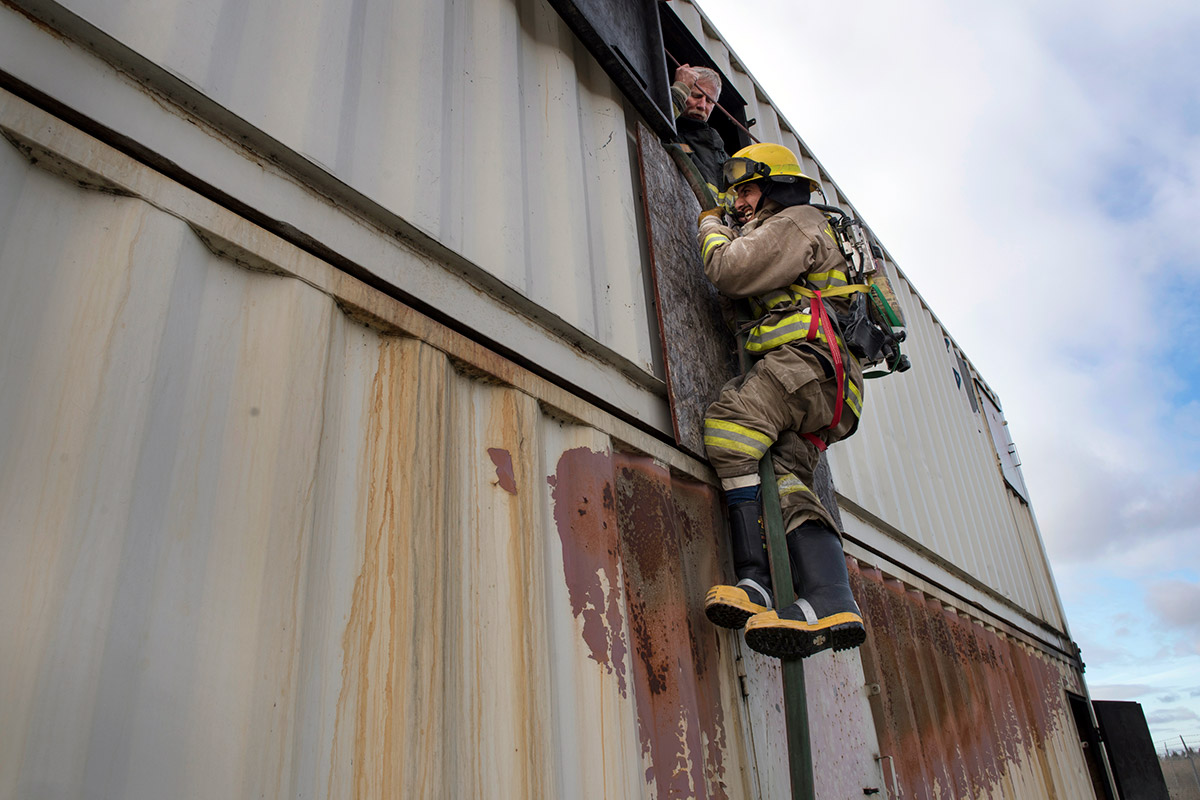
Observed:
{"x":866,"y":340}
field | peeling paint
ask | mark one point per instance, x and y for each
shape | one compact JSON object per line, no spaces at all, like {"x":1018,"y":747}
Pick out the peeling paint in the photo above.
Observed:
{"x":636,"y":546}
{"x":504,"y":469}
{"x":584,"y":515}
{"x":962,"y":707}
{"x":676,"y":708}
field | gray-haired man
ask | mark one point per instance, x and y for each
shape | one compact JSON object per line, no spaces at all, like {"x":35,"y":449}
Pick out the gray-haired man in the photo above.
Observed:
{"x":694,"y":95}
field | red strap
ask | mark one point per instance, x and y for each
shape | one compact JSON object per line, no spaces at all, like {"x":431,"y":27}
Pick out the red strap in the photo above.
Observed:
{"x":839,"y":368}
{"x":816,"y":441}
{"x":814,"y":318}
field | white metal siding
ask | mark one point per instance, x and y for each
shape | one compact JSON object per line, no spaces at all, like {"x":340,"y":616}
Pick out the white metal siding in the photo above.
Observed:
{"x":484,"y":124}
{"x":487,"y":125}
{"x":252,"y":548}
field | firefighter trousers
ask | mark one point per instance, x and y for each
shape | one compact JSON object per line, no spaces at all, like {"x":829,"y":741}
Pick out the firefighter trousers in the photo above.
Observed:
{"x":788,"y":392}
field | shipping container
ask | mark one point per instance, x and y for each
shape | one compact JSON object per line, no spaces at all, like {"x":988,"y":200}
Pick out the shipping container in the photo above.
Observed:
{"x":342,"y":453}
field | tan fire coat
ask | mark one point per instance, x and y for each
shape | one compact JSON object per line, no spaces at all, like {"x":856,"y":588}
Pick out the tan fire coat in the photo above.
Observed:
{"x":792,"y":388}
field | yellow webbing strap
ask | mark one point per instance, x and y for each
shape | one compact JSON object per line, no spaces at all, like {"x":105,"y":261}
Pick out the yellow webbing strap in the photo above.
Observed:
{"x":834,"y":291}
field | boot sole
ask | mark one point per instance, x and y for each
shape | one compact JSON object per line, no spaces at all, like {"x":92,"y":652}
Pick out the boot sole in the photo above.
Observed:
{"x":730,"y":607}
{"x":777,"y":637}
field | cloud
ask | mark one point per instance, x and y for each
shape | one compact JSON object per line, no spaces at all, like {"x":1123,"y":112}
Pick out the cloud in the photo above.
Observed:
{"x":1119,"y":691}
{"x":1166,"y":715}
{"x":1176,"y":602}
{"x":1168,"y":698}
{"x":1100,"y":512}
{"x":1170,"y":508}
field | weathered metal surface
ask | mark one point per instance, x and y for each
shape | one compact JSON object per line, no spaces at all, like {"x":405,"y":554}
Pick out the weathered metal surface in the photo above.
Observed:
{"x":963,"y":710}
{"x":256,"y":547}
{"x":672,"y":671}
{"x":638,"y":549}
{"x":698,"y":348}
{"x":843,"y":739}
{"x":482,"y":133}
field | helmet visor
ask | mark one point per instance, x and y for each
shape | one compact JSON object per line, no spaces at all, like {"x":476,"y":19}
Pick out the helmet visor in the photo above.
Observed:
{"x":740,"y":170}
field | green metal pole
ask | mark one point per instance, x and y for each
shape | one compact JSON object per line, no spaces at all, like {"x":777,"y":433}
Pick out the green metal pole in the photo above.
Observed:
{"x":795,"y":700}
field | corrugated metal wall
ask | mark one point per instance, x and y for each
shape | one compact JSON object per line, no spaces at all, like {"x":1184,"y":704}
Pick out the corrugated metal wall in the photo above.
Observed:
{"x":962,"y":709}
{"x":268,"y":532}
{"x":484,"y":124}
{"x":923,"y":461}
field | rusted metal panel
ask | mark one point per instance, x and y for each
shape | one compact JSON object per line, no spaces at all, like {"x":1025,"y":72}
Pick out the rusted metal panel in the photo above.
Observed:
{"x":594,"y":711}
{"x":639,"y":546}
{"x":667,"y":668}
{"x":964,"y":710}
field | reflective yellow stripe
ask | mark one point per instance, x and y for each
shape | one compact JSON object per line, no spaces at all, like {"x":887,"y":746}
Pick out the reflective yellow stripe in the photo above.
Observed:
{"x":712,"y":241}
{"x":741,"y":430}
{"x":854,"y":398}
{"x":790,"y":484}
{"x":731,"y":436}
{"x":831,"y":277}
{"x":789,"y":329}
{"x":729,"y":444}
{"x":776,"y":298}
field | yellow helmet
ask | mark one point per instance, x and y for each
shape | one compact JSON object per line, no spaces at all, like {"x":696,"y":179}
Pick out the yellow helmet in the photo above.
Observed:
{"x":763,"y":160}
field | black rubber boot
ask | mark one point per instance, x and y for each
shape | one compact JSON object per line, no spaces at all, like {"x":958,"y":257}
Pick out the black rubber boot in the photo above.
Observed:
{"x":731,"y":606}
{"x":826,"y":616}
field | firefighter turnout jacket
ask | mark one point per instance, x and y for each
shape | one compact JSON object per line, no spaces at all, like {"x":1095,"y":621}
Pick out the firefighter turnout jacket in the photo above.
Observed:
{"x":799,"y":396}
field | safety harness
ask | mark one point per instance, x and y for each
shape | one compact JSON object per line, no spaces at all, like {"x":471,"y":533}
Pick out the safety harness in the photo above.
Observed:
{"x":820,"y":324}
{"x":871,"y":329}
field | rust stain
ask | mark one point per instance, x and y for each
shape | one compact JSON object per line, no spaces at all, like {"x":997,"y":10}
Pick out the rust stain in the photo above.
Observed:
{"x":359,"y":695}
{"x":504,"y":469}
{"x":678,"y":709}
{"x":627,"y":526}
{"x":961,"y":705}
{"x":584,"y":514}
{"x":701,"y":518}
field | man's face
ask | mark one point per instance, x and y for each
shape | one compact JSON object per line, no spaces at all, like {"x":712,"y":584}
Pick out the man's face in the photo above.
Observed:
{"x":698,"y":105}
{"x":745,"y":201}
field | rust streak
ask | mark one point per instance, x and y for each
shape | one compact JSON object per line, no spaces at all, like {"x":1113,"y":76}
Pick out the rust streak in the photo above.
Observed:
{"x":671,"y":719}
{"x":962,"y":707}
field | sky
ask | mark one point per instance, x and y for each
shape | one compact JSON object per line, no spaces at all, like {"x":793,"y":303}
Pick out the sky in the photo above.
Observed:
{"x":1034,"y":169}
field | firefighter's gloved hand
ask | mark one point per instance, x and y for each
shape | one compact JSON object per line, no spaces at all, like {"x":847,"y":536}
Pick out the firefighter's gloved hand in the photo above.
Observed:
{"x":712,"y":234}
{"x":710,"y":213}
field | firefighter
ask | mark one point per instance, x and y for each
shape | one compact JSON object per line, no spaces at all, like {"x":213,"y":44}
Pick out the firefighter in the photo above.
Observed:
{"x":693,"y":96}
{"x":803,"y":392}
